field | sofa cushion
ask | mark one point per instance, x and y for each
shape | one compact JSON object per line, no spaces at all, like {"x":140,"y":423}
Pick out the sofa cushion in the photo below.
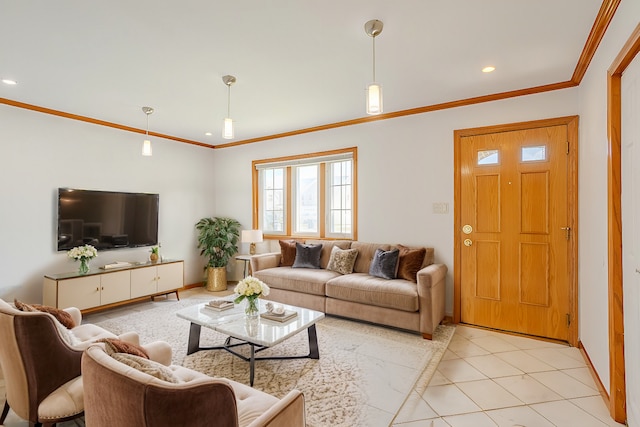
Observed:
{"x":384,"y":264}
{"x":309,"y":281}
{"x":410,"y":262}
{"x":327,"y":246}
{"x":365,"y":255}
{"x":342,"y":260}
{"x":288,"y":252}
{"x":399,"y":294}
{"x":307,"y":256}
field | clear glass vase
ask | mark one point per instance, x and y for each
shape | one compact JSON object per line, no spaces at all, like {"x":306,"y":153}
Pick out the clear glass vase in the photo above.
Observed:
{"x":84,"y":266}
{"x":251,"y":307}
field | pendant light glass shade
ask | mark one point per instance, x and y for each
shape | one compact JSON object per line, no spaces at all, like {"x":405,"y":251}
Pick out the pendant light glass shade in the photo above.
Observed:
{"x":146,"y":148}
{"x":227,"y":128}
{"x":146,"y":144}
{"x":373,"y":29}
{"x":227,"y":125}
{"x":374,"y":98}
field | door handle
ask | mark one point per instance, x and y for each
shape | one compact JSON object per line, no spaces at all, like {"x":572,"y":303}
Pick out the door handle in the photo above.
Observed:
{"x":468,"y":242}
{"x":567,"y":231}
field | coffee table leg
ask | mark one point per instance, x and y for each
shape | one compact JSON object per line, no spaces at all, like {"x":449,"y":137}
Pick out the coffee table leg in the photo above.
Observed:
{"x":194,"y":338}
{"x":252,"y":364}
{"x":314,"y":351}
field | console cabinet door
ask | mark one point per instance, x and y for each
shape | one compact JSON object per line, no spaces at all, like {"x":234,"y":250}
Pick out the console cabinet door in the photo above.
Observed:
{"x":115,"y":287}
{"x":82,"y":292}
{"x":170,"y":276}
{"x":143,"y":281}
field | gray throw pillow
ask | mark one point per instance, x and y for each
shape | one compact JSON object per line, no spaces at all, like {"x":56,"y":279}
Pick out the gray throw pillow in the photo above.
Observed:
{"x":384,"y":264}
{"x":307,"y":256}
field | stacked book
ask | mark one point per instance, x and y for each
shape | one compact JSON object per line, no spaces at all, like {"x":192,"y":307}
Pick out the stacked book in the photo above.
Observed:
{"x":279,"y":317}
{"x":219,"y":304}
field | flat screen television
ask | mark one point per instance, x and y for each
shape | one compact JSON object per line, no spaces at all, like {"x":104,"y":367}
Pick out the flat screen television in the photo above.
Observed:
{"x":106,"y":219}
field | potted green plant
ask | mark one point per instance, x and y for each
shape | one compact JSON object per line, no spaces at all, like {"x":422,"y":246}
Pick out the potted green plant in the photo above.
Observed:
{"x":218,"y":241}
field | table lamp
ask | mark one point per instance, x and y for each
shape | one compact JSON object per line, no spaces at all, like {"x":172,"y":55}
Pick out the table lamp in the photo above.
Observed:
{"x":252,"y":237}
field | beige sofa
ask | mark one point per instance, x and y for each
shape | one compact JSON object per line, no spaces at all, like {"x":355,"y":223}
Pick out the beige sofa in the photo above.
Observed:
{"x":396,"y":302}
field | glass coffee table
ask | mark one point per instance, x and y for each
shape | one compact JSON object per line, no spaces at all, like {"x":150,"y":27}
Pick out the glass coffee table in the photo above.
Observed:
{"x":258,"y":334}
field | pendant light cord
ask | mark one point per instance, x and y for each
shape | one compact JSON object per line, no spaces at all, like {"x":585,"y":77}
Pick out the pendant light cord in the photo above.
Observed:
{"x":374,"y":58}
{"x":228,"y":100}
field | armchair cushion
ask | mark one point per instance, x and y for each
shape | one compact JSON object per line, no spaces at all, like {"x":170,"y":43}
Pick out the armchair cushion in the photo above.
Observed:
{"x":114,"y":345}
{"x":68,"y":399}
{"x":149,"y":367}
{"x":60,"y":315}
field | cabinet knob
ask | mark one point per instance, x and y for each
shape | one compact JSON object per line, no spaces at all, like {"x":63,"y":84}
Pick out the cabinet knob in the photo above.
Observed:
{"x":97,"y":289}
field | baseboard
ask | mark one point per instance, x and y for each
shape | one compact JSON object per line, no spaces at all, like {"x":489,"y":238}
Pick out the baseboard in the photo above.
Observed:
{"x":594,"y":374}
{"x":193,"y":285}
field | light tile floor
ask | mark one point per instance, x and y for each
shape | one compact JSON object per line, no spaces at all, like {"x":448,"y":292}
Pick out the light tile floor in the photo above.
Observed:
{"x":489,"y":379}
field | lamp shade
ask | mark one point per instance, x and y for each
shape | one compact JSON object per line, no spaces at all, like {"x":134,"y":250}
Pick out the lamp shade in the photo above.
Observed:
{"x":146,"y":148}
{"x":374,"y":98}
{"x":227,"y":129}
{"x":251,"y":236}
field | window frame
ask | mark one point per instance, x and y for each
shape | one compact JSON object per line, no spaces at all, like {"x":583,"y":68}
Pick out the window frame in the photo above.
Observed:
{"x":324,"y":159}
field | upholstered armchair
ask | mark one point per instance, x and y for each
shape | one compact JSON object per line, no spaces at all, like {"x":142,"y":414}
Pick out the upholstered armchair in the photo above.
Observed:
{"x":117,"y":394}
{"x":41,"y":359}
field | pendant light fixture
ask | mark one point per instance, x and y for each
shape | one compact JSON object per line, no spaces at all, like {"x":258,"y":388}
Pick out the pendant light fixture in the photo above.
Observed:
{"x":227,"y":126}
{"x":373,"y":28}
{"x":146,"y":144}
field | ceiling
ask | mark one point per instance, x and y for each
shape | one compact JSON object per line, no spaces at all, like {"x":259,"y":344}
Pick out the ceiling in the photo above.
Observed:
{"x":298,"y":64}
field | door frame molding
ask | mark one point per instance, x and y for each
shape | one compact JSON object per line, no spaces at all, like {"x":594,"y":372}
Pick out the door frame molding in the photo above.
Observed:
{"x":572,"y":176}
{"x":617,"y":384}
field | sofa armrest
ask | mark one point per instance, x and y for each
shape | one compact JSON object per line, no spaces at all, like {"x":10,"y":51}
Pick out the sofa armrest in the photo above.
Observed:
{"x":288,"y":412}
{"x":75,"y":313}
{"x":431,"y":294}
{"x":159,"y":351}
{"x":264,"y":261}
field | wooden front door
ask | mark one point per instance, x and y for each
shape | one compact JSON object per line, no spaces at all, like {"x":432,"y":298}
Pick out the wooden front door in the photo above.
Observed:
{"x":514,"y":229}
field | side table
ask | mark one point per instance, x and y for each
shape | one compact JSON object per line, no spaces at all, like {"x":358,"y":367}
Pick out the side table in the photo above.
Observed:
{"x":246,"y":267}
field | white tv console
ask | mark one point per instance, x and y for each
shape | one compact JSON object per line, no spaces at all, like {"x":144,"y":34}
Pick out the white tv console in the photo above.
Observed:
{"x":100,"y":289}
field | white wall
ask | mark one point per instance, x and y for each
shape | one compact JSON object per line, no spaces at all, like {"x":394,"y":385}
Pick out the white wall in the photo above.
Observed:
{"x":404,"y":166}
{"x":593,"y":265}
{"x":40,"y":152}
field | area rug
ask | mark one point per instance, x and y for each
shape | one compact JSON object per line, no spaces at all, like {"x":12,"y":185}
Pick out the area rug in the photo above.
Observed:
{"x":364,"y":374}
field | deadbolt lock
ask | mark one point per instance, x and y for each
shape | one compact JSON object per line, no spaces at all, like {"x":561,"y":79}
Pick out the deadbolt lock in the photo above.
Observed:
{"x":467,"y":229}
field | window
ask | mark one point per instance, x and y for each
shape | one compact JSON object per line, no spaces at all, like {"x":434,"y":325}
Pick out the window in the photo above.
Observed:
{"x":534,"y":154}
{"x":488,"y":157}
{"x":306,"y":196}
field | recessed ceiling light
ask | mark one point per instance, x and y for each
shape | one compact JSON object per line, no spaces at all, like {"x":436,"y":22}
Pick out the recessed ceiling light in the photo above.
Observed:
{"x":208,"y":134}
{"x":9,"y":82}
{"x":488,"y":69}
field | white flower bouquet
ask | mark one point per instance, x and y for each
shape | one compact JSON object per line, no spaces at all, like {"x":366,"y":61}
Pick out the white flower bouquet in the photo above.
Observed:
{"x":82,"y":252}
{"x":250,"y":289}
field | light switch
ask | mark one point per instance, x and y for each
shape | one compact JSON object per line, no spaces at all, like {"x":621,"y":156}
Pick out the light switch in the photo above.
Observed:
{"x":441,"y":208}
